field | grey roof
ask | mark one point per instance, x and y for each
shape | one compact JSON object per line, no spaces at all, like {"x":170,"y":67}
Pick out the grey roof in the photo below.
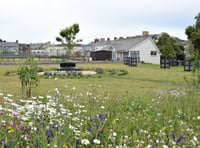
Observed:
{"x":101,"y":43}
{"x":120,"y":44}
{"x":36,"y":46}
{"x":107,"y":47}
{"x":126,"y":44}
{"x":9,"y":44}
{"x":24,"y":45}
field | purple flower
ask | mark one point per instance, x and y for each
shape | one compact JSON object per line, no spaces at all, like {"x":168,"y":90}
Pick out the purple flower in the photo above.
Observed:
{"x":167,"y":140}
{"x":173,"y":136}
{"x":99,"y":70}
{"x":11,"y":123}
{"x":48,"y":141}
{"x":101,"y":115}
{"x":179,"y":139}
{"x":15,"y":114}
{"x":77,"y":141}
{"x":47,"y":132}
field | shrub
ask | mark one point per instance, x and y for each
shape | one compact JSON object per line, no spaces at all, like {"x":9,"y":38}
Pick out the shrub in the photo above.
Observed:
{"x":123,"y":72}
{"x":7,"y":73}
{"x":40,"y":69}
{"x":99,"y":70}
{"x":112,"y":71}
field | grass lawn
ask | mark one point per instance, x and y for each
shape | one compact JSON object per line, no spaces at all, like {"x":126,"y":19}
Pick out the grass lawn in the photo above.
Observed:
{"x":143,"y":79}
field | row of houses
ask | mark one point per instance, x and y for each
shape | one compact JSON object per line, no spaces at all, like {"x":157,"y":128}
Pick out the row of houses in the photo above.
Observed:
{"x":142,"y":47}
{"x":39,"y":49}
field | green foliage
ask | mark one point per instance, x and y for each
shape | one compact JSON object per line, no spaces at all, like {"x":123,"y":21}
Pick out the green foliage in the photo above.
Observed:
{"x":68,"y":36}
{"x":193,"y":33}
{"x":28,"y":76}
{"x":123,"y":72}
{"x":77,"y":54}
{"x":170,"y":47}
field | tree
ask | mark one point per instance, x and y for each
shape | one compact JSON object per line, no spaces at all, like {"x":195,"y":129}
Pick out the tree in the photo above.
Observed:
{"x":68,"y":36}
{"x":193,"y":34}
{"x":28,"y":76}
{"x":170,"y":48}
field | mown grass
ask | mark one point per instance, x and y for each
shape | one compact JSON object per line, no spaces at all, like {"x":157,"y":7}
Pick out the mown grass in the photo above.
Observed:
{"x":144,"y":78}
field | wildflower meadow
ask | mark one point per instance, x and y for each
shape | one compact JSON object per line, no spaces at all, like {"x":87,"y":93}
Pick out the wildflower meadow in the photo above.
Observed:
{"x":90,"y":117}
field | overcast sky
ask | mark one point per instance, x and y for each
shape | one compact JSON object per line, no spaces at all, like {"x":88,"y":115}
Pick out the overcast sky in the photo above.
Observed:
{"x":36,"y":21}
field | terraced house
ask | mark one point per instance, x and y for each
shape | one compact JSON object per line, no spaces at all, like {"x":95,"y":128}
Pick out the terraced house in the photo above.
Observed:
{"x":141,"y":47}
{"x":9,"y":48}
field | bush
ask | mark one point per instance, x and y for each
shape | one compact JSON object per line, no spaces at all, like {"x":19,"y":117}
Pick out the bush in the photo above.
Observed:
{"x":112,"y":71}
{"x":10,"y":73}
{"x":99,"y":70}
{"x":7,"y":73}
{"x":123,"y":72}
{"x":40,"y":69}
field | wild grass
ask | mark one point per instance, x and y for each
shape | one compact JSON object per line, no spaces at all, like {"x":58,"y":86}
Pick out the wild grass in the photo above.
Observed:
{"x":133,"y":110}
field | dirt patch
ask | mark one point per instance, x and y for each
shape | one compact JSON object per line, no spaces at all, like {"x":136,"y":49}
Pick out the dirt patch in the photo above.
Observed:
{"x":88,"y":73}
{"x":61,"y":72}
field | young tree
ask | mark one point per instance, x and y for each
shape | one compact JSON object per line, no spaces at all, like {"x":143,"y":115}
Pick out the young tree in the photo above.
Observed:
{"x":28,"y":76}
{"x":68,"y":37}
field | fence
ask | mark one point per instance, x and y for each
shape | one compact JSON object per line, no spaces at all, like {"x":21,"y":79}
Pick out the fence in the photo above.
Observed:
{"x":130,"y":61}
{"x":173,"y":62}
{"x":40,"y":60}
{"x":188,"y":65}
{"x":164,"y":63}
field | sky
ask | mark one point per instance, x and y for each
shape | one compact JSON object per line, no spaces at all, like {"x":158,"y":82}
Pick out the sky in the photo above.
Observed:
{"x":40,"y":21}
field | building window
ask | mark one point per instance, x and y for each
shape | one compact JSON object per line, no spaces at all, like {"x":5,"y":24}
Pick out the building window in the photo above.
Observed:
{"x":153,"y":53}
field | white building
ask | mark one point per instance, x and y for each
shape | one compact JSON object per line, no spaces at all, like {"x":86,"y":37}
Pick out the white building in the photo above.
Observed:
{"x":39,"y":49}
{"x":56,"y":50}
{"x":141,"y":47}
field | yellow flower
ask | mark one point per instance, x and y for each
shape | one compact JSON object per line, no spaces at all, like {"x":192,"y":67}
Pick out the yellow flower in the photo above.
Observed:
{"x":164,"y":128}
{"x":155,"y":133}
{"x":65,"y":146}
{"x":12,"y":130}
{"x":197,"y":142}
{"x":9,"y":127}
{"x":102,"y":146}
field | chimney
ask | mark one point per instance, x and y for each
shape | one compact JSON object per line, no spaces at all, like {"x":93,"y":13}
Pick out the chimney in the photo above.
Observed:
{"x":145,"y":33}
{"x":17,"y":41}
{"x":115,"y":38}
